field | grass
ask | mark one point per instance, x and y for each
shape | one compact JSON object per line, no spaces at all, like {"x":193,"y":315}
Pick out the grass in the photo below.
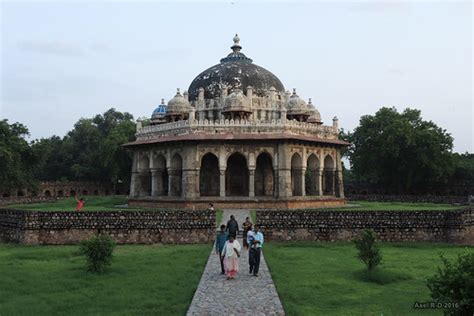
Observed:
{"x":398,"y":206}
{"x":253,"y":216}
{"x":219,"y":216}
{"x":51,"y":280}
{"x":327,"y":279}
{"x":93,"y":203}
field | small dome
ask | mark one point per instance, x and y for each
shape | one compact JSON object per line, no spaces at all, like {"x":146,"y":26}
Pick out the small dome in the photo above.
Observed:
{"x":178,"y":105}
{"x":296,"y":105}
{"x":160,"y":111}
{"x":237,"y":102}
{"x":314,"y":115}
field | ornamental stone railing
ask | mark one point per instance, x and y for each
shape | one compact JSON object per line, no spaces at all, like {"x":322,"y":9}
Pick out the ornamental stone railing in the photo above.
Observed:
{"x":187,"y":127}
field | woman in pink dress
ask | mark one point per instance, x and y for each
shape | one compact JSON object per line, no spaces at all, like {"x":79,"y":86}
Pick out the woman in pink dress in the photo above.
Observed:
{"x":231,"y":254}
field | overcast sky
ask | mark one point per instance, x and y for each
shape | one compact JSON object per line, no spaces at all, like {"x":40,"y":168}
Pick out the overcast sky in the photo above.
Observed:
{"x":63,"y":61}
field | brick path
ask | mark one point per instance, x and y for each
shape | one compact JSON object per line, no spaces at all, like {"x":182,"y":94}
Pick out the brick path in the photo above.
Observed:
{"x":246,"y":295}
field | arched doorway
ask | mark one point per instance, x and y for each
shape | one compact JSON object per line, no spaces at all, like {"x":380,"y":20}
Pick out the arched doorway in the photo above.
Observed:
{"x":176,"y":175}
{"x":47,"y":193}
{"x":237,"y":176}
{"x":328,"y":176}
{"x":209,"y":175}
{"x":264,"y":175}
{"x":161,"y":178}
{"x":312,"y":176}
{"x":296,"y":166}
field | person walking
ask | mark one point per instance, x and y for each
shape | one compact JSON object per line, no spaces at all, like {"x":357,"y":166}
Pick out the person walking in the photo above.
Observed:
{"x":80,"y":204}
{"x":255,"y":251}
{"x":246,"y":226}
{"x":249,"y":240}
{"x":220,"y":243}
{"x":231,"y":255}
{"x":232,"y":227}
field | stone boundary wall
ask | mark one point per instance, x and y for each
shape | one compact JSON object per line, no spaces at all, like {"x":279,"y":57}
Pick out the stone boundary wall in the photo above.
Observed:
{"x":125,"y":227}
{"x":455,"y":226}
{"x":448,"y":199}
{"x":28,"y":200}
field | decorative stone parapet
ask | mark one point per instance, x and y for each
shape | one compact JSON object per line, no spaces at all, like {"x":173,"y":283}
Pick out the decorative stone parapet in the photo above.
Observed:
{"x":187,"y":127}
{"x":125,"y":227}
{"x":453,"y":226}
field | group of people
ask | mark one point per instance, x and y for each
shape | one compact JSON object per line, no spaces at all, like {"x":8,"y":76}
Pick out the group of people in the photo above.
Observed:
{"x":229,"y":249}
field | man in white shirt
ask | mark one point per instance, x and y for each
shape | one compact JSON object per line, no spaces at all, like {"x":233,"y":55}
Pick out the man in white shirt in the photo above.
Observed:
{"x":255,"y":250}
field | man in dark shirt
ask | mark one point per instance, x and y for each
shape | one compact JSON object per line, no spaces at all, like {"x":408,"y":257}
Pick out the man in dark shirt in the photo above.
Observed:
{"x":220,"y":242}
{"x":232,"y":227}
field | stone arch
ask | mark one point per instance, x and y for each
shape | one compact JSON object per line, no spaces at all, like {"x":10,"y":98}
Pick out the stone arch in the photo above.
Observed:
{"x":209,"y":179}
{"x":161,"y":178}
{"x":312,"y":175}
{"x":72,"y":193}
{"x":237,"y":175}
{"x":264,"y":178}
{"x":60,"y":193}
{"x":176,"y":175}
{"x":47,"y":193}
{"x":328,"y":176}
{"x":296,"y":180}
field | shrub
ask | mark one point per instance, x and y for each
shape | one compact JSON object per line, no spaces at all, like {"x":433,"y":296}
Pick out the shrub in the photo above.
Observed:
{"x":98,"y":251}
{"x":369,"y":253}
{"x":453,"y":286}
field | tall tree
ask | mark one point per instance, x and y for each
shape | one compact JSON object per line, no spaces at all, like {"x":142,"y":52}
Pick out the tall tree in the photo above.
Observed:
{"x":400,"y":150}
{"x":17,"y":160}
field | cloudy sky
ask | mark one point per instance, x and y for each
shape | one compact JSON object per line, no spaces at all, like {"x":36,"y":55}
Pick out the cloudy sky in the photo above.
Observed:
{"x":63,"y":61}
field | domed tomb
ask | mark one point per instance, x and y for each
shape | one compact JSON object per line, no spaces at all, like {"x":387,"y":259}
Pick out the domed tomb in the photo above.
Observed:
{"x":236,"y":71}
{"x":178,"y":107}
{"x":158,"y":115}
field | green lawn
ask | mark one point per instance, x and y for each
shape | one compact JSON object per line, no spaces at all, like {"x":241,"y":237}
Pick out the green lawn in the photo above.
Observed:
{"x":219,"y":216}
{"x":52,"y":280}
{"x":327,"y":279}
{"x":93,"y":203}
{"x":398,"y":206}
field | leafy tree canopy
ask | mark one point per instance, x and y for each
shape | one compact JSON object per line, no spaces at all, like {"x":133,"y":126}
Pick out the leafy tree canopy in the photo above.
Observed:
{"x":400,"y":150}
{"x":17,"y":160}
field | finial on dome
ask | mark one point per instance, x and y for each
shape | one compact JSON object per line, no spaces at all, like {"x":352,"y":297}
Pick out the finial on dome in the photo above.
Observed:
{"x":236,"y":47}
{"x":162,"y":101}
{"x":294,"y":91}
{"x":309,"y":101}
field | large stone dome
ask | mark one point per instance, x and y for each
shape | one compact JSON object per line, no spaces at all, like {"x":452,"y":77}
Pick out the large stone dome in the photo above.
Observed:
{"x":236,"y":71}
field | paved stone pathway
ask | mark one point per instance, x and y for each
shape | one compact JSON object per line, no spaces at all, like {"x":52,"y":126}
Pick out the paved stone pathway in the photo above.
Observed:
{"x":246,"y":295}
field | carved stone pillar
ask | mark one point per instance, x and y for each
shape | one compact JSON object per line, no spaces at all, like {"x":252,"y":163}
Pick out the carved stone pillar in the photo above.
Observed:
{"x":319,"y":181}
{"x":333,"y":188}
{"x":222,"y":183}
{"x":170,"y":181}
{"x":251,"y":182}
{"x":134,"y":184}
{"x":303,"y":181}
{"x":154,"y":182}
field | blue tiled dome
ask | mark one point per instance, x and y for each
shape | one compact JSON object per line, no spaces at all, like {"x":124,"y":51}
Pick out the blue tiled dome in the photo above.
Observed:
{"x":160,"y":111}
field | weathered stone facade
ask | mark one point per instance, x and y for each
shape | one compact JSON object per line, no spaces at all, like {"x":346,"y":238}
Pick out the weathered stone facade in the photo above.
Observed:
{"x":222,"y":145}
{"x":125,"y":227}
{"x":455,"y":226}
